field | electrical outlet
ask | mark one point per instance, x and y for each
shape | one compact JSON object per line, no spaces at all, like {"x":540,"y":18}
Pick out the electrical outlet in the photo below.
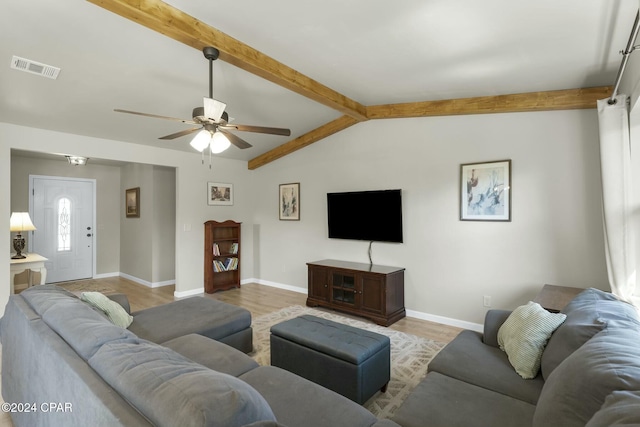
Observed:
{"x":486,"y":301}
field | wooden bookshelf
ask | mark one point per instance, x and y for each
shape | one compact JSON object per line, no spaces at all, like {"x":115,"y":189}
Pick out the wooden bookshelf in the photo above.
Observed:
{"x":221,"y":255}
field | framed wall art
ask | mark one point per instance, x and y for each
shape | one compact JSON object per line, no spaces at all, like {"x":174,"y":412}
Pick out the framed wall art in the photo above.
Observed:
{"x":289,"y":202}
{"x":132,"y":202}
{"x":485,"y":191}
{"x":219,"y":194}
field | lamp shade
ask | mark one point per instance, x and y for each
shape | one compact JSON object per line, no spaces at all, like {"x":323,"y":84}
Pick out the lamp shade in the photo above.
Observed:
{"x":201,"y":140}
{"x":20,"y":221}
{"x":219,"y":143}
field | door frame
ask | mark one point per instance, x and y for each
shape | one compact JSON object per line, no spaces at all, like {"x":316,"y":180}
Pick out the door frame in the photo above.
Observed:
{"x":92,"y":181}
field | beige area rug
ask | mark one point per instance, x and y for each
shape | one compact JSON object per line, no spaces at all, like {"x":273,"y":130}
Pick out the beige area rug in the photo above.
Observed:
{"x":410,"y":354}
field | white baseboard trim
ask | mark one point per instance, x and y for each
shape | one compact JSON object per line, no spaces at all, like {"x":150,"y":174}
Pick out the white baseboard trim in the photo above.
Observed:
{"x":106,"y":275}
{"x":190,"y":293}
{"x":147,"y":283}
{"x":478,"y":327}
{"x":410,"y":313}
{"x":277,"y":285}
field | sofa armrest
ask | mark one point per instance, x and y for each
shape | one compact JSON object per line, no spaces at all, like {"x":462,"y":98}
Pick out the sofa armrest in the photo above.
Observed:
{"x":492,"y":322}
{"x":122,"y":300}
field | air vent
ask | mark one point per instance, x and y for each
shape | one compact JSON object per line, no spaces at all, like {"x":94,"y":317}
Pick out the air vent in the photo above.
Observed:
{"x":34,"y":67}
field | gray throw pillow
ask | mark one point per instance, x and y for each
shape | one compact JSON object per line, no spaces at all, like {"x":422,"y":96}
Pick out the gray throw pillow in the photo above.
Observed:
{"x":578,"y":387}
{"x":587,"y":314}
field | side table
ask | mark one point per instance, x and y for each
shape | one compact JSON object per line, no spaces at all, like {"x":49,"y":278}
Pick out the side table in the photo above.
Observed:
{"x":554,"y":298}
{"x":32,"y":263}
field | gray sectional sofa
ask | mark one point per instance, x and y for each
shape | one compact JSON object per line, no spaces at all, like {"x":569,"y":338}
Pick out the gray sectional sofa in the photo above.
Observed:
{"x":65,"y":364}
{"x":590,"y":374}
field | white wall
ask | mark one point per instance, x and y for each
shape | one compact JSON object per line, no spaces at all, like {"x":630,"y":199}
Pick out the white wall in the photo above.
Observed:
{"x":555,"y":235}
{"x":191,"y":205}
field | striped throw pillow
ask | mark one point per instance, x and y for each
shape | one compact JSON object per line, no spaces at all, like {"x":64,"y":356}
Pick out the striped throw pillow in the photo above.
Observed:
{"x":524,"y":335}
{"x":114,"y":311}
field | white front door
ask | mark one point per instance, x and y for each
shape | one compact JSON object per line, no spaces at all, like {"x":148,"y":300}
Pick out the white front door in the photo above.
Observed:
{"x":62,"y":211}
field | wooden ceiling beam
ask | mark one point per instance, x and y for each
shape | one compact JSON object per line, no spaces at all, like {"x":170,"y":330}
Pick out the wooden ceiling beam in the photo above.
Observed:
{"x":302,"y":141}
{"x":165,"y":19}
{"x":569,"y":99}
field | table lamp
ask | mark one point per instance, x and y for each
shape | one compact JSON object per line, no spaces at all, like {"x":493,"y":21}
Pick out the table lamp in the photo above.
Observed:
{"x":20,"y":222}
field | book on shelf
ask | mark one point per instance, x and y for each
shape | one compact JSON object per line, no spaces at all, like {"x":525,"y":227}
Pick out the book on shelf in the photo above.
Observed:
{"x":234,"y":248}
{"x":226,"y":265}
{"x":216,"y":250}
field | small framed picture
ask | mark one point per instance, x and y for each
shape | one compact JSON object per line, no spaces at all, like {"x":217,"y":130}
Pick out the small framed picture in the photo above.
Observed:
{"x":485,"y":191}
{"x":219,"y":194}
{"x":132,"y":202}
{"x":289,"y":202}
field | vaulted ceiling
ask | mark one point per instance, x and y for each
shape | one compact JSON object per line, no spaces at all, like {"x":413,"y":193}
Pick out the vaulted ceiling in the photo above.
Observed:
{"x":314,"y":67}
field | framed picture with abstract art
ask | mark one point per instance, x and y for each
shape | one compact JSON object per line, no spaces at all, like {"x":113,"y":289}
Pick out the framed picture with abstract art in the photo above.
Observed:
{"x":132,"y":202}
{"x":485,"y":191}
{"x":219,"y":194}
{"x":289,"y":202}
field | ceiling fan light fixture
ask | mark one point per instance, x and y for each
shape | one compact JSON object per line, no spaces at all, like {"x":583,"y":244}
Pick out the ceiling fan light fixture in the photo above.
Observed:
{"x":219,"y":143}
{"x":201,"y":141}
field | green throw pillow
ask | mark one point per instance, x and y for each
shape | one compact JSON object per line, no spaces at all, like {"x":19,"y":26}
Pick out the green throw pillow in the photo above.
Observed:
{"x":114,"y":311}
{"x":524,"y":335}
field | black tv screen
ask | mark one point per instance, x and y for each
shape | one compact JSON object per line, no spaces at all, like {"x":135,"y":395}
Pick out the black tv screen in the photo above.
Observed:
{"x":366,"y":215}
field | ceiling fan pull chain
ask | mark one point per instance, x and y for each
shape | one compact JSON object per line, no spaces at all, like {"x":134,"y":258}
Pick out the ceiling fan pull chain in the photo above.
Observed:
{"x":209,"y":156}
{"x":203,"y":157}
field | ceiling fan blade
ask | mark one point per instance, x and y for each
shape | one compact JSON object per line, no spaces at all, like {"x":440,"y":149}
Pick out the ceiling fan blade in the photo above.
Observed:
{"x":181,"y":133}
{"x":258,"y":129}
{"x":155,"y":116}
{"x":213,"y":109}
{"x":235,"y":140}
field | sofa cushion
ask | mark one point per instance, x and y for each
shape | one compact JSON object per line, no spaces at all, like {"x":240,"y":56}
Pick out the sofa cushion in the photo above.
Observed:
{"x":42,"y":297}
{"x":587,"y":314}
{"x":212,"y":354}
{"x":114,"y":311}
{"x":468,"y":359}
{"x":84,"y":329}
{"x":524,"y":335}
{"x":442,"y":401}
{"x":171,"y":390}
{"x":200,"y":315}
{"x":299,"y":402}
{"x":578,"y":387}
{"x":619,"y":409}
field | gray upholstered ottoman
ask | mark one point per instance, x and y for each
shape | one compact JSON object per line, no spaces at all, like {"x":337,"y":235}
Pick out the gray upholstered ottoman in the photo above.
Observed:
{"x":350,"y":361}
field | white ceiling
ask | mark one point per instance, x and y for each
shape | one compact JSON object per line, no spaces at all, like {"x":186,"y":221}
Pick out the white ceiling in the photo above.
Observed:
{"x":372,"y":51}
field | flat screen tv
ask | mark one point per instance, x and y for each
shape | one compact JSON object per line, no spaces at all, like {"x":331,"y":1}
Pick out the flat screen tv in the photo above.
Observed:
{"x":366,"y":215}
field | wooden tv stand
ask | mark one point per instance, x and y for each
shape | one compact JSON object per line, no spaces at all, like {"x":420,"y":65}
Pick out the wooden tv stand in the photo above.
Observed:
{"x":372,"y":291}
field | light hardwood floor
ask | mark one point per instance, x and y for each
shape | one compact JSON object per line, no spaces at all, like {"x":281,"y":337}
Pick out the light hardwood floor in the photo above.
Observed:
{"x":259,"y":300}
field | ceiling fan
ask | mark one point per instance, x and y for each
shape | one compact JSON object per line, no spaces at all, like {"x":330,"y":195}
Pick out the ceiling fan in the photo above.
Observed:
{"x":213,"y":120}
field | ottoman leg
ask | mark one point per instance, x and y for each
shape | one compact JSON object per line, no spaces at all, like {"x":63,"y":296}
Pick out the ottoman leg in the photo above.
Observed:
{"x":384,"y":388}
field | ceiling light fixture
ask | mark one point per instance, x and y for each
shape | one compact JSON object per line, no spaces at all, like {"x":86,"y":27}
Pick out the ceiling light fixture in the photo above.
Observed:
{"x":215,"y":140}
{"x":77,"y":160}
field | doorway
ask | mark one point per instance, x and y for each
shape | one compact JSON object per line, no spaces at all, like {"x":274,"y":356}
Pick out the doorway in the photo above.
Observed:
{"x":63,"y":211}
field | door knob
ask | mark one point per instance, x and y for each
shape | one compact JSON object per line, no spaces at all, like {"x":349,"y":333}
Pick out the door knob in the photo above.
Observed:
{"x":88,"y":228}
{"x":89,"y":234}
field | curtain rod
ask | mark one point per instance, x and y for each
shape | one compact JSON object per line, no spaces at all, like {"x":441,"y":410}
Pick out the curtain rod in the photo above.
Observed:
{"x":625,"y":57}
